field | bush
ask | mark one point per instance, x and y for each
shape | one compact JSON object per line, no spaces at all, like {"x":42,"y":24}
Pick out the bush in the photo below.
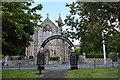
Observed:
{"x":2,"y":57}
{"x":78,"y":51}
{"x":113,"y":55}
{"x":54,"y":57}
{"x":93,"y":55}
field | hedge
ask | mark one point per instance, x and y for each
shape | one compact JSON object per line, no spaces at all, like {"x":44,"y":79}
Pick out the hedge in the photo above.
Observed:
{"x":93,"y":55}
{"x":54,"y":57}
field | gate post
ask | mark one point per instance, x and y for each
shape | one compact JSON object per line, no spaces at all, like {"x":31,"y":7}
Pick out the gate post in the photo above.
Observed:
{"x":74,"y":60}
{"x":41,"y":60}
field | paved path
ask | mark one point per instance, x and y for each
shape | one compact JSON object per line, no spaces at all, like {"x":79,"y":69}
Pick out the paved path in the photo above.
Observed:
{"x":55,"y":74}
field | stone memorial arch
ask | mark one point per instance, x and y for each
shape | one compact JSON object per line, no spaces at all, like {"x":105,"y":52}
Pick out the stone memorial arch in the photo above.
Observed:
{"x":47,"y":53}
{"x":41,"y":55}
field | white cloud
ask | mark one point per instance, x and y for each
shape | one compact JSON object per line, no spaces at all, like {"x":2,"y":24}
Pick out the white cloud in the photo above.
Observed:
{"x":76,"y":42}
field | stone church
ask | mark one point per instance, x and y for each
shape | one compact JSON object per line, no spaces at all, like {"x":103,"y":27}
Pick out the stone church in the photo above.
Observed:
{"x":56,"y":47}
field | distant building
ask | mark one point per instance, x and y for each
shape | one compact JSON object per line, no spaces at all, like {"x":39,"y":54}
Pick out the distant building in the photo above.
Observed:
{"x":55,"y":47}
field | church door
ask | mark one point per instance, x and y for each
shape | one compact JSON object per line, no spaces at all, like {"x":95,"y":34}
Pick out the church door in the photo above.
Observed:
{"x":47,"y":52}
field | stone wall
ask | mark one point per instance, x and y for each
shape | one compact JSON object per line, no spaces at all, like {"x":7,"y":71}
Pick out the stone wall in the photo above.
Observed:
{"x":53,"y":62}
{"x":98,"y":61}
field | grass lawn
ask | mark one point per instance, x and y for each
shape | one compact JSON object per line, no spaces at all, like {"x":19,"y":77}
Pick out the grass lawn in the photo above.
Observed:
{"x":20,"y":73}
{"x":94,"y":73}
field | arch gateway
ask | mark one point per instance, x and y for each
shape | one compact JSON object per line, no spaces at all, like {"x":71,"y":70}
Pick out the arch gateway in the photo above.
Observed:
{"x":42,"y":59}
{"x":47,"y":52}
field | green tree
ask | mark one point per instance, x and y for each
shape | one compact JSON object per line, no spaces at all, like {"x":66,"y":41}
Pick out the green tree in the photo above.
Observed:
{"x":89,"y":20}
{"x":78,"y":51}
{"x":18,"y":26}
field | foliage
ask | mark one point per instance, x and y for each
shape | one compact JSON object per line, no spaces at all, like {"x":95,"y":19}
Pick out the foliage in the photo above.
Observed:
{"x":108,"y":72}
{"x":88,"y":20}
{"x":113,"y":43}
{"x":78,"y":51}
{"x":18,"y":26}
{"x":113,"y":55}
{"x":54,"y":58}
{"x":94,"y":55}
{"x":1,"y":56}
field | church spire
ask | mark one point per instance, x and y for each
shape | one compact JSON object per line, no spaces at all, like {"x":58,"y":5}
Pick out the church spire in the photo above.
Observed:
{"x":59,"y":14}
{"x":47,"y":15}
{"x":59,"y":24}
{"x":59,"y":19}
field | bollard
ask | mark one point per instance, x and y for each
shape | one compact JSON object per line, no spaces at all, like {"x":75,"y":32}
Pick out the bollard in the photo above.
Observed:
{"x":112,"y":63}
{"x":94,"y":64}
{"x":118,"y":64}
{"x":19,"y":65}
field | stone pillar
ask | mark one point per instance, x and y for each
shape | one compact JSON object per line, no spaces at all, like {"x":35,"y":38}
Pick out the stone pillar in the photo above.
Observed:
{"x":35,"y":58}
{"x":46,"y":59}
{"x":60,"y":62}
{"x":6,"y":59}
{"x":84,"y":57}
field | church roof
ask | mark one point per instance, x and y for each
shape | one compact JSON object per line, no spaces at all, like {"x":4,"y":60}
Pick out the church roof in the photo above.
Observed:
{"x":48,"y":22}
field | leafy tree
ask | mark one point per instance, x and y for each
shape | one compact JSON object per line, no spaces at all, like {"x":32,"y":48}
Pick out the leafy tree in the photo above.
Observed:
{"x":89,"y":20}
{"x":18,"y":26}
{"x":78,"y":51}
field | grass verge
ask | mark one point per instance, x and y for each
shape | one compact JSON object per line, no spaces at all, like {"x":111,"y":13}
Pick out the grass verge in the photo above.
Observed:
{"x":20,"y":73}
{"x":110,"y":72}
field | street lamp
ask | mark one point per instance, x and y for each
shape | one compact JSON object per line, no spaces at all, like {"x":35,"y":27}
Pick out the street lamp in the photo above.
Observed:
{"x":103,"y":43}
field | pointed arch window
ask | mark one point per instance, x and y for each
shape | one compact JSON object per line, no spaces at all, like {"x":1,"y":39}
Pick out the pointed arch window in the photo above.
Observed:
{"x":47,"y":28}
